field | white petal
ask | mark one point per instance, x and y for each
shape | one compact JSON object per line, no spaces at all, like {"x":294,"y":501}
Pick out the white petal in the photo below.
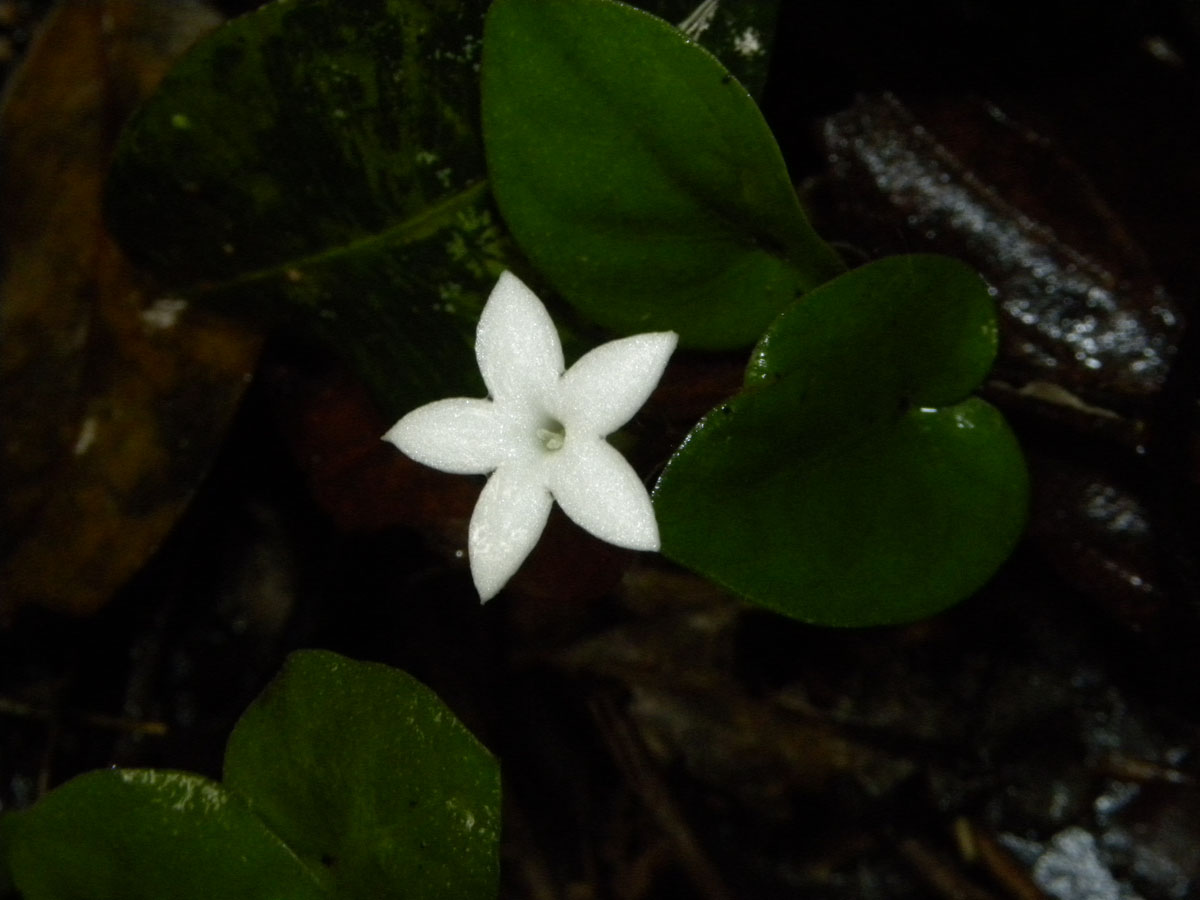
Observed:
{"x":506,"y":524}
{"x":520,"y":356}
{"x":603,"y":390}
{"x":460,"y":435}
{"x":602,"y":493}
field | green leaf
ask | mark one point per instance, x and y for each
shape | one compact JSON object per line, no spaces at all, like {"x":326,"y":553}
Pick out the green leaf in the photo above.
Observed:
{"x":320,"y":161}
{"x":638,"y":175}
{"x":367,"y":775}
{"x":129,"y":834}
{"x":343,"y":779}
{"x":854,"y":481}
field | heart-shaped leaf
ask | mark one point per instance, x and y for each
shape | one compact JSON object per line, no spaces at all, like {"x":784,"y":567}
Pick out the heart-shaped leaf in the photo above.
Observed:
{"x":854,"y":481}
{"x":638,"y":175}
{"x":367,"y":775}
{"x":140,"y":834}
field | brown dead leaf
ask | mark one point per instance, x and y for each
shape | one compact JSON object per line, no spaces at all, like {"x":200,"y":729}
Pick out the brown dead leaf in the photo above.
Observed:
{"x":114,"y":398}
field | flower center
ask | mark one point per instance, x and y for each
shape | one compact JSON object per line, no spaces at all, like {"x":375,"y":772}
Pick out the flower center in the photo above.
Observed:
{"x":552,"y":435}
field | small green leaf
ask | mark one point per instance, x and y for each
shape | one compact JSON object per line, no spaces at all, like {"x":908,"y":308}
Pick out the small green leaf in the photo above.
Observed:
{"x":638,"y":175}
{"x":854,"y":481}
{"x":369,"y":777}
{"x":136,"y":834}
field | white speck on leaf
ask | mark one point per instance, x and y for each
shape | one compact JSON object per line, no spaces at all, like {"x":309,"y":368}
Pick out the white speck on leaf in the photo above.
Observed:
{"x":86,"y":437}
{"x":163,"y":313}
{"x":541,"y":435}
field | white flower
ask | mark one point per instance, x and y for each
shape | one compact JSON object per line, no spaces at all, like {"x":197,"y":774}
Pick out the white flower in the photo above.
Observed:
{"x":541,"y":435}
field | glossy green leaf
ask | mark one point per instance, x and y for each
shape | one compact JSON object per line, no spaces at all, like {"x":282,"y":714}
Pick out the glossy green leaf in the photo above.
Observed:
{"x":854,"y":481}
{"x":638,"y":175}
{"x":136,"y":834}
{"x":320,"y":160}
{"x":368,"y":776}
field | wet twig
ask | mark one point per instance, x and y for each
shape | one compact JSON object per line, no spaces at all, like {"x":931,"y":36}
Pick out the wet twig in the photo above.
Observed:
{"x":121,"y":724}
{"x":632,"y":759}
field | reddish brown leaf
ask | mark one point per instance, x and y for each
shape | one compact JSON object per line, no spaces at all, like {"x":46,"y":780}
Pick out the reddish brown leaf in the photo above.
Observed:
{"x":114,"y":397}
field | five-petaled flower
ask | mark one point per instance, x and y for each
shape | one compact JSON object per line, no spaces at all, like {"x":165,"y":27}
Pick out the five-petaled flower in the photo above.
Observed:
{"x":541,"y":436}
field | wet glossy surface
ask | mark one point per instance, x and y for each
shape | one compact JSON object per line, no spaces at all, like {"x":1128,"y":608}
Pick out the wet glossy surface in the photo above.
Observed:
{"x":1096,"y":327}
{"x":1092,"y":362}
